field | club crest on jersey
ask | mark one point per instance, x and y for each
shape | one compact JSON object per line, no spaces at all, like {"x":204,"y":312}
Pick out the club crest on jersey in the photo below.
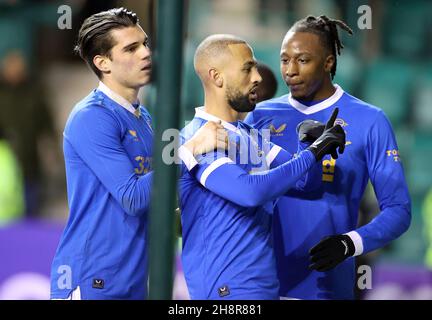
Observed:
{"x":340,"y":122}
{"x":343,"y":124}
{"x":133,"y":133}
{"x":277,"y":131}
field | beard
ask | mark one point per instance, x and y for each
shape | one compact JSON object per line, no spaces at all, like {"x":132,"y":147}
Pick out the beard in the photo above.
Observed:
{"x":238,"y":101}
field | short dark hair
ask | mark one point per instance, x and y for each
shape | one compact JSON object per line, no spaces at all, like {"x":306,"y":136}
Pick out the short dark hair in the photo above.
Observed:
{"x":268,"y":86}
{"x":94,"y":36}
{"x":214,"y":46}
{"x":326,"y":29}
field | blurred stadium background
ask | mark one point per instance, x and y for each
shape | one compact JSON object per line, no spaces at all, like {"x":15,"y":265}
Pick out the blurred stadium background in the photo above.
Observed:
{"x":389,"y":65}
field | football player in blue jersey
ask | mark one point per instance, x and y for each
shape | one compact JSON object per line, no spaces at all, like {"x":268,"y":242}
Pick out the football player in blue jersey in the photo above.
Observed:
{"x":315,"y":245}
{"x":107,"y":145}
{"x":226,"y":197}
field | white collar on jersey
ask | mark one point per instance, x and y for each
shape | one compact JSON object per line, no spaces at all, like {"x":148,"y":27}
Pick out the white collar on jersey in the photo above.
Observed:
{"x":319,"y":106}
{"x":200,"y":113}
{"x":117,"y":98}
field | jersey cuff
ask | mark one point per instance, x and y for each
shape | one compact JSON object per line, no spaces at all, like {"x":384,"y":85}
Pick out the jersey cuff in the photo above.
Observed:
{"x":358,"y":242}
{"x":274,"y":151}
{"x":187,"y":157}
{"x":309,"y":156}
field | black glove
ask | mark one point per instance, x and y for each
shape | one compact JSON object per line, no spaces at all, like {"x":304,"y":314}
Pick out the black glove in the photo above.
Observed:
{"x":332,"y":138}
{"x":309,"y":130}
{"x":331,"y":251}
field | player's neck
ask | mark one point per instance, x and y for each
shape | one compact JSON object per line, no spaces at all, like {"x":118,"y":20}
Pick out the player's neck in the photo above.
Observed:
{"x":324,"y":92}
{"x":219,"y":107}
{"x":130,"y":94}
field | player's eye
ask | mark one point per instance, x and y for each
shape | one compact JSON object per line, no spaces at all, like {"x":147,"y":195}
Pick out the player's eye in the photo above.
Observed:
{"x":302,"y":60}
{"x":284,"y":61}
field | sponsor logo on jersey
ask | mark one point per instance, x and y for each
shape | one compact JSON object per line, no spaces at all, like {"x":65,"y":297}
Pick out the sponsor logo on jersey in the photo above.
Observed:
{"x":277,"y":131}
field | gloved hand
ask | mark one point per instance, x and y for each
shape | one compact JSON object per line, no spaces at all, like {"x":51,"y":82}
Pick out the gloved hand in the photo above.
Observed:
{"x":309,"y":130}
{"x":331,"y":251}
{"x":332,"y":138}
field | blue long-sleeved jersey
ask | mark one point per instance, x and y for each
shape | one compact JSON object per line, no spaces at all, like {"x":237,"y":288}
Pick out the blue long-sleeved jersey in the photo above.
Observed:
{"x":108,"y":153}
{"x":227,"y":213}
{"x":371,"y":153}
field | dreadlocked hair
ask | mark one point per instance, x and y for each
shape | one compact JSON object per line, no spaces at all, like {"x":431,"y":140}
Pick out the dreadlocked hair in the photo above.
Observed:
{"x":326,"y":29}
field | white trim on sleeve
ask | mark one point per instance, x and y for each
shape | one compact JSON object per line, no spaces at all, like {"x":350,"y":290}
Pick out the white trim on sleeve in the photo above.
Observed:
{"x":212,"y":167}
{"x":74,"y":295}
{"x":274,"y":151}
{"x":358,"y":242}
{"x":187,"y":157}
{"x":288,"y":298}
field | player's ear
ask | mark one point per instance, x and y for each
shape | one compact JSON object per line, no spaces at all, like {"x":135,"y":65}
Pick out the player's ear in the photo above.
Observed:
{"x":329,"y":62}
{"x":103,"y":63}
{"x":216,"y":77}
